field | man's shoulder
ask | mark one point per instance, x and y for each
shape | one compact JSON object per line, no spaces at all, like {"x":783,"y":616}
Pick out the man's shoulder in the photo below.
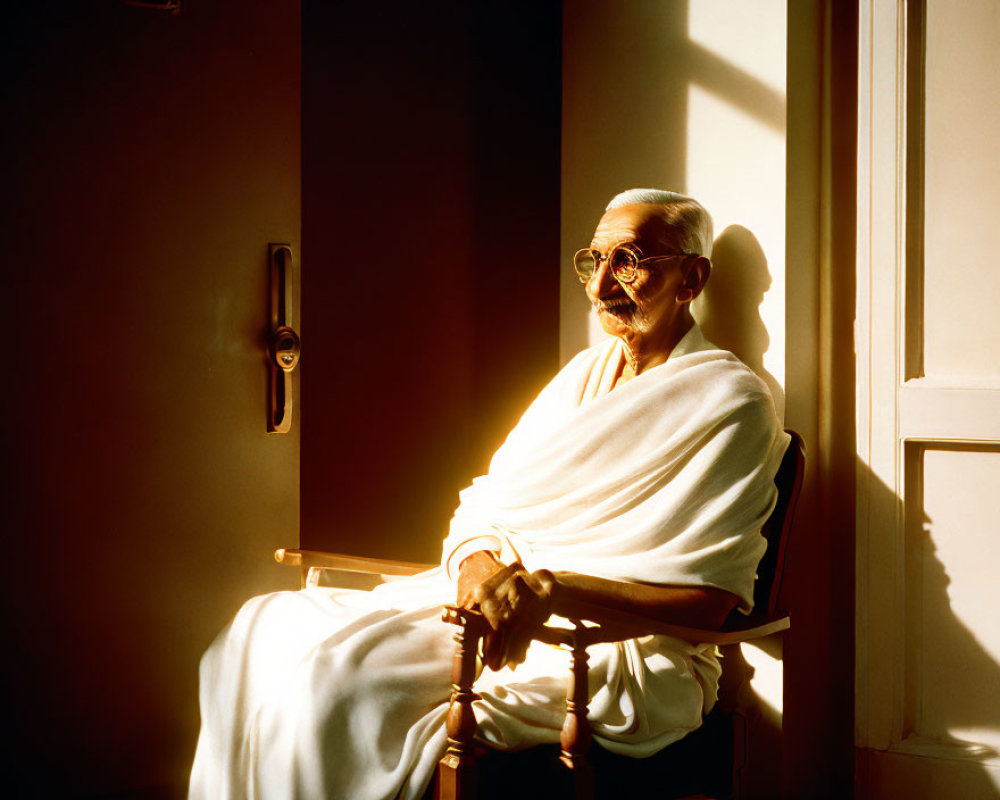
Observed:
{"x":725,"y":368}
{"x":725,"y":383}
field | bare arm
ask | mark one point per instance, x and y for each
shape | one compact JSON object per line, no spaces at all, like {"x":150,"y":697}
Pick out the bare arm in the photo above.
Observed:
{"x":693,"y":606}
{"x":516,"y":602}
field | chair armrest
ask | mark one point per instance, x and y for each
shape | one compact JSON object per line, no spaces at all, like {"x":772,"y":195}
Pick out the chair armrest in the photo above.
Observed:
{"x":617,"y":626}
{"x":312,"y":562}
{"x":621,"y":625}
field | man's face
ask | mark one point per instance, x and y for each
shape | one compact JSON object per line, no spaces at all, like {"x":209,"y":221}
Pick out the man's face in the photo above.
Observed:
{"x":649,"y":303}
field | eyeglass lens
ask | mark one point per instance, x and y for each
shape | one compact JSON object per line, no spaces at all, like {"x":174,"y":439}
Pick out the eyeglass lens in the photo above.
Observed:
{"x":585,"y":263}
{"x":623,"y":263}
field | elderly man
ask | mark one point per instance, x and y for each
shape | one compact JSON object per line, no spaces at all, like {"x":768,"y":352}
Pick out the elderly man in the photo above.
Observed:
{"x":638,"y":479}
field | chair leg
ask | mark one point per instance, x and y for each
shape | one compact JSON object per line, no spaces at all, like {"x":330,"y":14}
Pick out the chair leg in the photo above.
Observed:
{"x":736,"y":675}
{"x":456,"y":775}
{"x":576,"y":733}
{"x":741,"y":746}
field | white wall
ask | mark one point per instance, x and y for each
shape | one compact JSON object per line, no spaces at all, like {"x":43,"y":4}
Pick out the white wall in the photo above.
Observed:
{"x":688,"y":97}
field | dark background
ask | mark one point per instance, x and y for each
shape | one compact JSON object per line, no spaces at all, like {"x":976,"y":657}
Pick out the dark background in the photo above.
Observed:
{"x":149,"y":160}
{"x":430,"y":235}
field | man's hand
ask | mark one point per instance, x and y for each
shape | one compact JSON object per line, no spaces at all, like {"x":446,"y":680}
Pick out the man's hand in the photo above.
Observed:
{"x":515,"y":603}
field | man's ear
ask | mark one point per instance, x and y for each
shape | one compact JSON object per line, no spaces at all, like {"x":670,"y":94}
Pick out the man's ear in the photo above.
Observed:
{"x":695,"y":277}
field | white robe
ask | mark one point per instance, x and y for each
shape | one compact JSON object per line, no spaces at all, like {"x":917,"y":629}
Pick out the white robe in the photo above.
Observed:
{"x":335,"y":693}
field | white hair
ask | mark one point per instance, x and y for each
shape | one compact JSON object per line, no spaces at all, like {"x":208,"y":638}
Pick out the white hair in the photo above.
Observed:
{"x":682,"y":212}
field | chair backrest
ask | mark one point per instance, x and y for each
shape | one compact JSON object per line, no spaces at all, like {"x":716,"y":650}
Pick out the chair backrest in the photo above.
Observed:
{"x":769,"y":572}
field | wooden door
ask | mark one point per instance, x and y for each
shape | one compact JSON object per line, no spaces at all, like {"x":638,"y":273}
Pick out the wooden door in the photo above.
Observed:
{"x":928,"y":655}
{"x":154,"y":158}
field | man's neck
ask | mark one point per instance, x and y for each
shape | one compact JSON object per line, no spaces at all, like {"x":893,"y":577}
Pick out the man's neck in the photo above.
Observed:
{"x":649,"y":350}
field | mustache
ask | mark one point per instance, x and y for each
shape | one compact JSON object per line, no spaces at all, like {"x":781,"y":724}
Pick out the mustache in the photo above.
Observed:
{"x":615,"y":305}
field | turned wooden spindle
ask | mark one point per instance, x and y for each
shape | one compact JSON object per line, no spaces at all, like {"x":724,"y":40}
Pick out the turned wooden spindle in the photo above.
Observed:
{"x":456,"y":772}
{"x":576,"y":734}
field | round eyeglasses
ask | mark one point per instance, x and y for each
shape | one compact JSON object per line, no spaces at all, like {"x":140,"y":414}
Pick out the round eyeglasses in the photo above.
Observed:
{"x":624,"y":261}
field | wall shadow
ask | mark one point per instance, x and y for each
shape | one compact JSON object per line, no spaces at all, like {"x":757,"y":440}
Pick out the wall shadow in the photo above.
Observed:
{"x":973,"y":664}
{"x":729,"y":308}
{"x":925,"y":598}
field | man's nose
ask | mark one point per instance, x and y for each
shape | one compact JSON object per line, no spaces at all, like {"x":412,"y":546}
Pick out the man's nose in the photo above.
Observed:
{"x":603,"y":281}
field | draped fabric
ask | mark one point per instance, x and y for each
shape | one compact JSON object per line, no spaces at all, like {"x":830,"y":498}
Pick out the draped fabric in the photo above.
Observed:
{"x":666,"y":479}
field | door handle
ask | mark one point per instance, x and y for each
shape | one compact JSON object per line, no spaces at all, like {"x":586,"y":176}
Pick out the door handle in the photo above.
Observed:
{"x":284,"y":345}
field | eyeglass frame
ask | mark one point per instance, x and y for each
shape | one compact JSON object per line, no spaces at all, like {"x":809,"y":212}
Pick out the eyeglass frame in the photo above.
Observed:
{"x":628,"y":247}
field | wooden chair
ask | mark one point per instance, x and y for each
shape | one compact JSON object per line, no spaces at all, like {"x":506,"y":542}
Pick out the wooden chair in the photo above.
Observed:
{"x":695,"y":759}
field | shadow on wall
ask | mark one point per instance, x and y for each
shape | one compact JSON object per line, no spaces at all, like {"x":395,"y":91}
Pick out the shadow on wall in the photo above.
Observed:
{"x":959,"y":648}
{"x":938,"y":716}
{"x":729,"y":308}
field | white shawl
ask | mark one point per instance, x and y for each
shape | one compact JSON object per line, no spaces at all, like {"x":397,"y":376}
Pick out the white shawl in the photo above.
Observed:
{"x":667,"y":479}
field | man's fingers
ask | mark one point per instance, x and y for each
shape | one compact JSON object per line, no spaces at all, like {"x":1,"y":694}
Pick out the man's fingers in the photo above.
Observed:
{"x":496,"y":611}
{"x":510,"y":598}
{"x":466,"y":598}
{"x":516,"y":644}
{"x":515,"y":605}
{"x":493,"y":650}
{"x":507,"y":598}
{"x":498,"y":578}
{"x":488,"y":608}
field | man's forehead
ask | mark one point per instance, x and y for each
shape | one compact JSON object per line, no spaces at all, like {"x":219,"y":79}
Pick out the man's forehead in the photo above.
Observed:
{"x":642,"y":223}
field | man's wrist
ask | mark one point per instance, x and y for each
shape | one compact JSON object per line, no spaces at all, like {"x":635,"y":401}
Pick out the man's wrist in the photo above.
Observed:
{"x":548,"y":582}
{"x":479,"y":555}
